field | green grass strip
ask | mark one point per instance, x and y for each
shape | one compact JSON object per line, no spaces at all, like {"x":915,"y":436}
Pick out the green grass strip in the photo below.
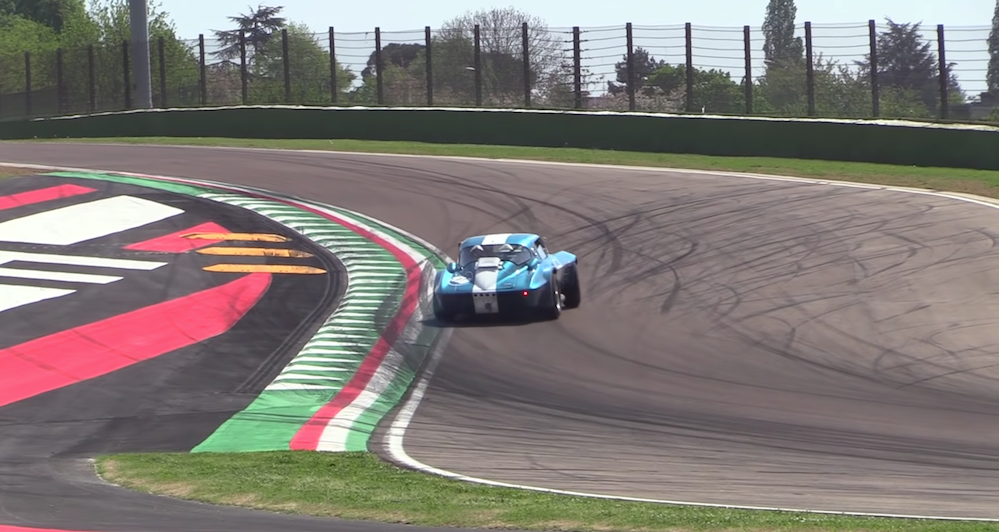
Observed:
{"x":982,"y":182}
{"x":359,"y":486}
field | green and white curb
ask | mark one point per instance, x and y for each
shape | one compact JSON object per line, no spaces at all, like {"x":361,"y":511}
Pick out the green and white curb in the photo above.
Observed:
{"x":376,"y":284}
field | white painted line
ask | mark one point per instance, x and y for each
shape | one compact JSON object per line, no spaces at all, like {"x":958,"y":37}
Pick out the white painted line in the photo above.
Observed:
{"x":324,"y":359}
{"x":351,"y":350}
{"x":306,"y":367}
{"x":85,"y":221}
{"x":13,"y":296}
{"x":58,"y":276}
{"x":296,"y":386}
{"x":78,"y":260}
{"x":341,"y":342}
{"x":289,"y":376}
{"x":347,"y":336}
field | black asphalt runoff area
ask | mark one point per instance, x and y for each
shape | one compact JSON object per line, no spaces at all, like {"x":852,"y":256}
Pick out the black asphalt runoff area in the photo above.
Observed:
{"x":740,"y":341}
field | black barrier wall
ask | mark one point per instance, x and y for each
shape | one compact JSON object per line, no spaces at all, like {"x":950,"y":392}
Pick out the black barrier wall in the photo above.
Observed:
{"x":911,"y":144}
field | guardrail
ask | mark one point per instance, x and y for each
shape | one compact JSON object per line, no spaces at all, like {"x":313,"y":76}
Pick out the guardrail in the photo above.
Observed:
{"x":875,"y":141}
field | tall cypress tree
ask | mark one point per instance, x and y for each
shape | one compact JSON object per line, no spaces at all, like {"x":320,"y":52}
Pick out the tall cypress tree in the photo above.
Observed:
{"x":780,"y":45}
{"x":993,"y":76}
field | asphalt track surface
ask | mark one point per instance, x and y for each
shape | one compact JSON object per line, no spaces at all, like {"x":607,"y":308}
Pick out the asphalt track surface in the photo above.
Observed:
{"x":740,"y":341}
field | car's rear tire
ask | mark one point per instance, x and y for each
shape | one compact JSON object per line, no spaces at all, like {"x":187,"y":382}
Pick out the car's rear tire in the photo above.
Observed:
{"x":555,"y":308}
{"x":570,"y":287}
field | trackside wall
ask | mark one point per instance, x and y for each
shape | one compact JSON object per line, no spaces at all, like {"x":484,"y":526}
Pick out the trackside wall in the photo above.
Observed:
{"x":890,"y":142}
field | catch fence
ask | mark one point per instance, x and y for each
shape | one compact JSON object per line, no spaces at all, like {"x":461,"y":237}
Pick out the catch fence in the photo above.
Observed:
{"x":844,"y":70}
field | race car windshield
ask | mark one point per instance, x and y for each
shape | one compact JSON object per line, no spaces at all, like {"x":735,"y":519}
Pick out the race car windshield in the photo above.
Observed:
{"x":514,"y":253}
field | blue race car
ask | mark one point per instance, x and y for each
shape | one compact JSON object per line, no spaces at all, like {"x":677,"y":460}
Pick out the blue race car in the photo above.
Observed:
{"x":508,"y":275}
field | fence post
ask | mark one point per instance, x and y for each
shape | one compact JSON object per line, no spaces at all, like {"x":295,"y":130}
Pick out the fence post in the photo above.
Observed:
{"x":161,"y":48}
{"x":91,"y":80}
{"x":203,"y":70}
{"x":286,"y":61}
{"x":127,"y":75}
{"x":875,"y":88}
{"x":809,"y":69}
{"x":577,"y":70}
{"x":27,"y":83}
{"x":60,"y":83}
{"x":525,"y":48}
{"x":630,"y":66}
{"x":430,"y":66}
{"x":944,"y":76}
{"x":748,"y":49}
{"x":689,"y":38}
{"x":378,"y":64}
{"x":243,"y":72}
{"x":334,"y":89}
{"x":478,"y":65}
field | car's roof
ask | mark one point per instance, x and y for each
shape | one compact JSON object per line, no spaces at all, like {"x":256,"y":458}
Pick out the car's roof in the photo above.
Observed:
{"x":523,"y":239}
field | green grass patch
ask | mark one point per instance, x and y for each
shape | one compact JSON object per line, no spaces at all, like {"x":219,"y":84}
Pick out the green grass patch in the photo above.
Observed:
{"x":981,"y":182}
{"x":10,"y":171}
{"x":360,"y":486}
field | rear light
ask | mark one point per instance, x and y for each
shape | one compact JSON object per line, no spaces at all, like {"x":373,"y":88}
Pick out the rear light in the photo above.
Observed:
{"x":525,"y":293}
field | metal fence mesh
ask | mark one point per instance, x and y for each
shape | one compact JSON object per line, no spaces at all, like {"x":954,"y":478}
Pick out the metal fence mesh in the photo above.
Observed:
{"x":679,"y":69}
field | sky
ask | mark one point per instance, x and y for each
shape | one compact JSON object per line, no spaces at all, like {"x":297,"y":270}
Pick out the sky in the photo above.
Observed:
{"x":967,"y":23}
{"x":199,"y":16}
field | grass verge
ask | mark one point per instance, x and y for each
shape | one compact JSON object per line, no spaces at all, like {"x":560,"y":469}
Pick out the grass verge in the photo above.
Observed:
{"x":360,"y":486}
{"x":981,"y":182}
{"x":10,"y":171}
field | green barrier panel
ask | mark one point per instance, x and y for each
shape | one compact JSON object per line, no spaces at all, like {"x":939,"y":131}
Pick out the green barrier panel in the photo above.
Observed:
{"x":905,"y":143}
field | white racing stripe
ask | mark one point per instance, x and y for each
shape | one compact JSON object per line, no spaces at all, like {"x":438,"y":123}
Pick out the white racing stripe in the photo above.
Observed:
{"x":12,"y":296}
{"x":492,"y":240}
{"x":484,"y":286}
{"x":77,"y":260}
{"x":58,"y":276}
{"x":85,"y":221}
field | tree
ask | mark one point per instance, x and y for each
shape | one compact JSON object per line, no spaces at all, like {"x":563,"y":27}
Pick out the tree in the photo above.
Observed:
{"x":644,"y":65}
{"x":501,"y":46}
{"x":49,"y":13}
{"x":993,"y":75}
{"x":838,"y":91}
{"x":714,"y":90}
{"x":18,"y":35}
{"x":401,"y":55}
{"x":908,"y":67}
{"x":258,"y":26}
{"x":308,"y":65}
{"x":780,"y":46}
{"x":107,"y":29}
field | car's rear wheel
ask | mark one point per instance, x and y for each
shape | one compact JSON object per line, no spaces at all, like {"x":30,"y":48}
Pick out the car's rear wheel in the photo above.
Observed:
{"x":555,"y":309}
{"x":570,"y":287}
